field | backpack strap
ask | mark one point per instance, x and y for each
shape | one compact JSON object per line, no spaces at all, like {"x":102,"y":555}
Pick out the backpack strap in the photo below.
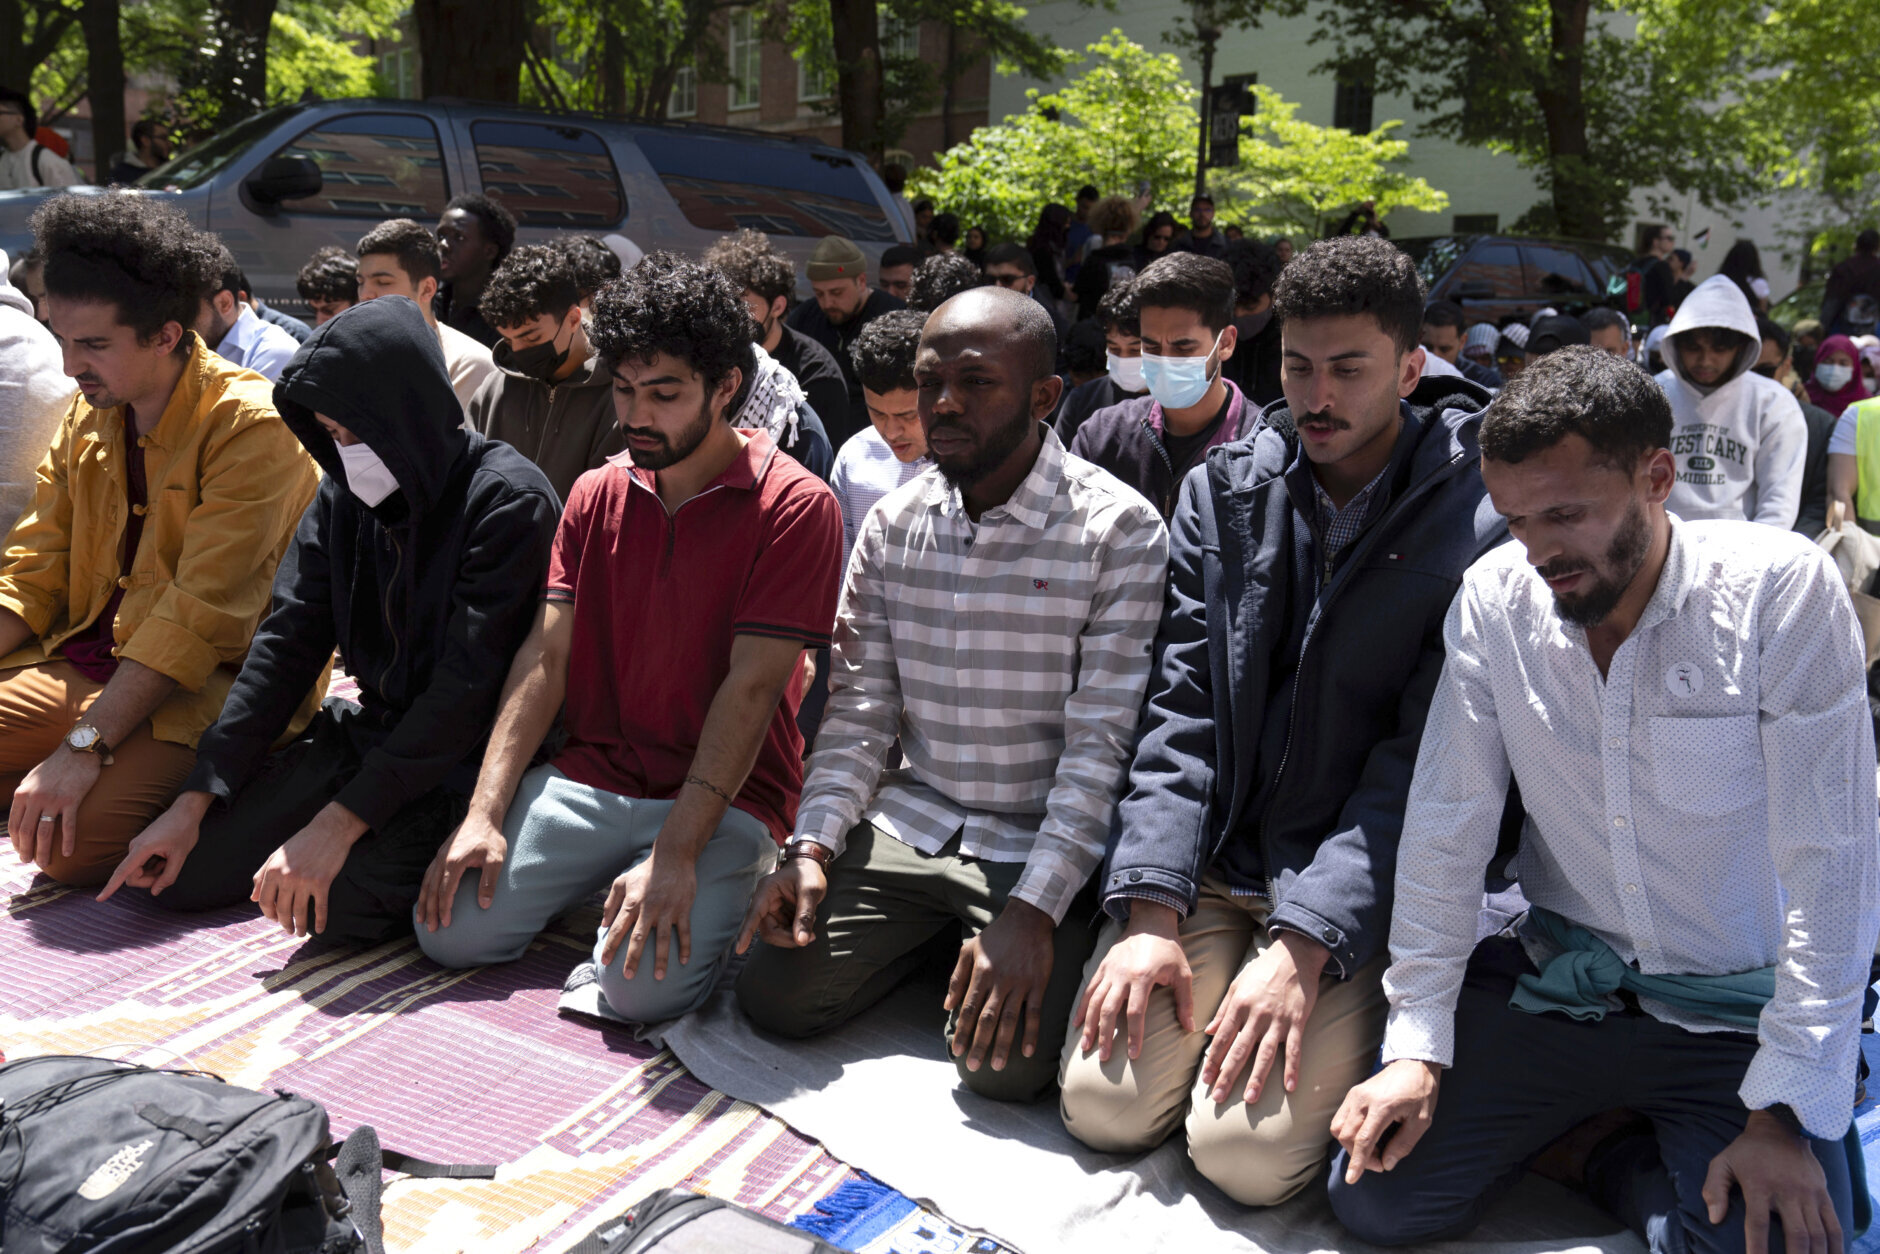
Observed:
{"x":38,"y":152}
{"x":359,"y":1160}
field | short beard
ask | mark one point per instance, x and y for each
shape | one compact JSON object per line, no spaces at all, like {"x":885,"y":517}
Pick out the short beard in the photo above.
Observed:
{"x":988,"y":457}
{"x":1624,"y":557}
{"x":671,"y":453}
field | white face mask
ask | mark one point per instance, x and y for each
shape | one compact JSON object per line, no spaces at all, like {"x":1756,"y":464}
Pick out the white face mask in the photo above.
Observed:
{"x":1833,"y":376}
{"x":370,"y":479}
{"x":1126,"y":372}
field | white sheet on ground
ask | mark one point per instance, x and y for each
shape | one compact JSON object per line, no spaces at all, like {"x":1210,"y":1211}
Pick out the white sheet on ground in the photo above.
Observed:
{"x":882,"y":1096}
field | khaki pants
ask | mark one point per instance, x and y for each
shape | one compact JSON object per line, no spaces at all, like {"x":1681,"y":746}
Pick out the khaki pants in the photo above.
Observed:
{"x":1258,"y":1155}
{"x":38,"y":706}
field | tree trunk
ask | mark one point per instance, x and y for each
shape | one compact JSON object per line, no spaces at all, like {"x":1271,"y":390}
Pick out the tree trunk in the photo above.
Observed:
{"x":104,"y":75}
{"x":856,"y":28}
{"x":29,"y":31}
{"x":950,"y":87}
{"x":1580,"y":208}
{"x":472,"y":48}
{"x":239,"y":78}
{"x":613,"y":68}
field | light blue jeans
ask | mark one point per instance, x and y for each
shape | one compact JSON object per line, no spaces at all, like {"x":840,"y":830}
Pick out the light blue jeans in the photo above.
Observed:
{"x":568,"y":841}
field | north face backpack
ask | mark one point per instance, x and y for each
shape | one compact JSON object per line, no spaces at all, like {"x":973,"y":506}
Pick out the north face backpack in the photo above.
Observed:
{"x":104,"y":1157}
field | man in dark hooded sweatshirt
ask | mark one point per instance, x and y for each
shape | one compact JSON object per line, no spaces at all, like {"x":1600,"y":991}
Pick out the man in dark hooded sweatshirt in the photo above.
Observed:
{"x":421,"y":559}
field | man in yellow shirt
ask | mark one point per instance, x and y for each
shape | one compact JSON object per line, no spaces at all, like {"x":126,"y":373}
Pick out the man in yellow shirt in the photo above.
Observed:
{"x":133,"y":581}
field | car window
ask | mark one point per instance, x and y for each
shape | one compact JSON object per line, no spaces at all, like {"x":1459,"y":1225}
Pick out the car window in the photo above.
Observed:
{"x":1554,"y":271}
{"x":549,"y":175}
{"x":375,"y":165}
{"x":1490,"y":272}
{"x":197,"y":165}
{"x":724,"y":184}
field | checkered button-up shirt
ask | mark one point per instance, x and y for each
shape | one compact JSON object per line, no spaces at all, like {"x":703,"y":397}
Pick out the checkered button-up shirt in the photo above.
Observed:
{"x":1009,"y":658}
{"x":1340,"y":527}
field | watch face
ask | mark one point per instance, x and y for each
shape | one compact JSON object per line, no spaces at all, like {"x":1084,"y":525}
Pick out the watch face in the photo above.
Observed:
{"x":82,"y":737}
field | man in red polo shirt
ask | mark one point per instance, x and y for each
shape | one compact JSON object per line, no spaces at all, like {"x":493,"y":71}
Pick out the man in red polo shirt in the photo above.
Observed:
{"x":688,"y":576}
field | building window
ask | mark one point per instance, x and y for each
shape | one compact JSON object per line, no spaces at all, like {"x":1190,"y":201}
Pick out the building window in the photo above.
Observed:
{"x":812,"y":84}
{"x":683,"y":103}
{"x":1351,"y":107}
{"x":899,"y":40}
{"x":1476,"y":223}
{"x":745,"y":50}
{"x":398,"y":72}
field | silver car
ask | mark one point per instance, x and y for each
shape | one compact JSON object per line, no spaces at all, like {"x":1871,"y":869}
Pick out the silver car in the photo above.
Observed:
{"x":289,"y":181}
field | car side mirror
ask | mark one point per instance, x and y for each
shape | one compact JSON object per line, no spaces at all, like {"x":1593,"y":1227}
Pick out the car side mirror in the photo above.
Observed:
{"x":284,"y":178}
{"x":1476,"y":291}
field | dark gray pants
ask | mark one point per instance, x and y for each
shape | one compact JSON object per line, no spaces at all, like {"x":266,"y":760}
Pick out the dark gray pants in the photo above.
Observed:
{"x":1520,"y":1081}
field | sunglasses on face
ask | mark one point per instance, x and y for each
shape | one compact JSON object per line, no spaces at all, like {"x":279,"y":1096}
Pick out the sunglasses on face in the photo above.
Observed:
{"x":1163,"y":237}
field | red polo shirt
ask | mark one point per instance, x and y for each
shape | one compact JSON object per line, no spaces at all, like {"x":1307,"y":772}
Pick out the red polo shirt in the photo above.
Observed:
{"x":657,"y":599}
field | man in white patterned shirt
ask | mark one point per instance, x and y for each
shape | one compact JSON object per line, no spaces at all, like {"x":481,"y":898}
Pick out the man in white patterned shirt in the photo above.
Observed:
{"x":997,"y":619}
{"x":1686,"y":719}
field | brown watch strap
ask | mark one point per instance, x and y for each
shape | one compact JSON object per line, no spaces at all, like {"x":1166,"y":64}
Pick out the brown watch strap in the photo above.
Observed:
{"x":817,"y":853}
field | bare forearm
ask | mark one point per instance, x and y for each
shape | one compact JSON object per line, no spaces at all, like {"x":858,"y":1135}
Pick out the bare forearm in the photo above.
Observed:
{"x":532,"y":695}
{"x":129,"y":697}
{"x":734,"y":731}
{"x":1843,"y":479}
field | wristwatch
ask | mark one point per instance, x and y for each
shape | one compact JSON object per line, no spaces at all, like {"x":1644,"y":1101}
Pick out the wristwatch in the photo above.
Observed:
{"x":84,"y":738}
{"x":816,"y":853}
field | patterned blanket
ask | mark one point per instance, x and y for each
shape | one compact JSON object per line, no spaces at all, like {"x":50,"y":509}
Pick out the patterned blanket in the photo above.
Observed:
{"x":457,"y":1066}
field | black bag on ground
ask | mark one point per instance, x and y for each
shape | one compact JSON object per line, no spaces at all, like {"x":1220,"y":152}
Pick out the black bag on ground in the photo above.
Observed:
{"x":676,"y":1221}
{"x":104,"y":1157}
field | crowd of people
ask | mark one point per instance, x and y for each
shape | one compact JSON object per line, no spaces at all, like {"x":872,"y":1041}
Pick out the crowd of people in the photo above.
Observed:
{"x":1261,"y":673}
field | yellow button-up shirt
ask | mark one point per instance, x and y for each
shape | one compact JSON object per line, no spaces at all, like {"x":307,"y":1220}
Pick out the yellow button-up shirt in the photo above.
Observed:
{"x":227,"y":482}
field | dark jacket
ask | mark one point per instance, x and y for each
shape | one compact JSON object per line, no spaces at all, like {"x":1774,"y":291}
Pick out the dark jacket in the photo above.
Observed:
{"x":1080,"y":402}
{"x":1126,"y":440}
{"x":823,"y":382}
{"x":1328,"y":819}
{"x":1256,"y":362}
{"x":567,"y":428}
{"x":427,"y":595}
{"x":1812,"y":518}
{"x":809,"y":318}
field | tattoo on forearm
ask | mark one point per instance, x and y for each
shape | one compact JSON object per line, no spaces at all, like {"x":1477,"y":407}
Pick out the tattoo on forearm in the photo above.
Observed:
{"x":710,"y":787}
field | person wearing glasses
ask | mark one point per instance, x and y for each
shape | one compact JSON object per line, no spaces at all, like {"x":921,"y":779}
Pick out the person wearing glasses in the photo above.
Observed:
{"x":23,"y":162}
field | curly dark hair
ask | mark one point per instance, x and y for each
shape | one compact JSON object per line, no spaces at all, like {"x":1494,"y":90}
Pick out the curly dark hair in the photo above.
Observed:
{"x":1255,"y":266}
{"x":753,"y":264}
{"x":499,"y":225}
{"x":595,"y":265}
{"x":1084,"y":349}
{"x":939,"y":279}
{"x":669,"y":304}
{"x":1118,"y":311}
{"x":1354,"y":274}
{"x":533,"y":280}
{"x":131,"y":251}
{"x":1202,"y":285}
{"x":330,"y":274}
{"x":1578,"y":390}
{"x":884,"y":350}
{"x":411,"y":242}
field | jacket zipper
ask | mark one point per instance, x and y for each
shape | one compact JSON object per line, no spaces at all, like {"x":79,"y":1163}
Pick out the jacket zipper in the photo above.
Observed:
{"x":385,"y":608}
{"x":1168,"y":464}
{"x":548,"y":424}
{"x":1292,"y":705}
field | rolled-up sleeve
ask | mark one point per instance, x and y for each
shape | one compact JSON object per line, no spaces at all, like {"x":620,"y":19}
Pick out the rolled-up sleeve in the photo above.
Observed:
{"x":1818,"y":749}
{"x":1103,"y":711}
{"x":1451,"y":823}
{"x":256,"y":481}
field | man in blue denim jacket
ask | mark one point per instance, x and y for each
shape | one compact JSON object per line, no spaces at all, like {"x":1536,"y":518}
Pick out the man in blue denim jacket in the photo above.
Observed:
{"x":1252,"y":861}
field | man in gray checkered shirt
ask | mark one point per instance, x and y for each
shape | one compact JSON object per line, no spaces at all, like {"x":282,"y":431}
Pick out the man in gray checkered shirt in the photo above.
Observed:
{"x":997,"y":619}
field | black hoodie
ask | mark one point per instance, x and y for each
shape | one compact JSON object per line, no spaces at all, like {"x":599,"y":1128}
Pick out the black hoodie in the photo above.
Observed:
{"x":427,"y":595}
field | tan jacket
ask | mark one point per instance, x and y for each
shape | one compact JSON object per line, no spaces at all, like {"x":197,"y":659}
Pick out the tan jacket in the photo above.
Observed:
{"x":228,"y":483}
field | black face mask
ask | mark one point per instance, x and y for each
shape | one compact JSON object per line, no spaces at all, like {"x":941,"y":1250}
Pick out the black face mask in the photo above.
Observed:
{"x":540,"y":361}
{"x":1248,"y":327}
{"x":1766,"y":371}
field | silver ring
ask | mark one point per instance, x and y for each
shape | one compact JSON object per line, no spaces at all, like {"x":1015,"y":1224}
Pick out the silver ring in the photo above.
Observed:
{"x":45,"y":818}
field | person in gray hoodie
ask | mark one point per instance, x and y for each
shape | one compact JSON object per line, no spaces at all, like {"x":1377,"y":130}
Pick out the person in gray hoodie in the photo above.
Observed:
{"x":553,"y":402}
{"x":34,"y":391}
{"x":1738,"y":439}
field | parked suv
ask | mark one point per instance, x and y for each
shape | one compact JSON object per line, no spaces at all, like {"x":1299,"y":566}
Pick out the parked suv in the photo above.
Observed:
{"x":1500,"y":276}
{"x":279,"y":186}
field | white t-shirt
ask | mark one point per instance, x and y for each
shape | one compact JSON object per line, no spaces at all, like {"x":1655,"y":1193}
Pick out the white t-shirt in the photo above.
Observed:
{"x":468,"y":364}
{"x":1845,"y":427}
{"x":16,"y":169}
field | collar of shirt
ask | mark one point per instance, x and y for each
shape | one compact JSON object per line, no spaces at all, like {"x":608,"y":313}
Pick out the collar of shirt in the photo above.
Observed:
{"x":745,"y":472}
{"x":1029,"y":505}
{"x":242,"y":337}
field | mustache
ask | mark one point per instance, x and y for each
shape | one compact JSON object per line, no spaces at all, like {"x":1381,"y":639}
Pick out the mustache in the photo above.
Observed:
{"x":1560,"y":570}
{"x":1324,"y":420}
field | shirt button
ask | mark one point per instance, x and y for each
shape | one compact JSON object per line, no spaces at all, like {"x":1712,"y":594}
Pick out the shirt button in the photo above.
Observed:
{"x":1615,"y":742}
{"x":1135,"y":877}
{"x":124,"y":581}
{"x":1631,"y":888}
{"x":140,"y":510}
{"x":1619,"y":821}
{"x":1330,"y":935}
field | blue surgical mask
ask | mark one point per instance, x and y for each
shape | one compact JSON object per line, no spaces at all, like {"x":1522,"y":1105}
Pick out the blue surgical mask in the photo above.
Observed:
{"x":1179,"y":382}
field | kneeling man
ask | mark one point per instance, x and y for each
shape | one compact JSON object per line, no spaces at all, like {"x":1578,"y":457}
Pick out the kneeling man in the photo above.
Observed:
{"x":422,"y":560}
{"x":1681,"y":704}
{"x":1312,"y":567}
{"x":997,"y":618}
{"x":688,"y":576}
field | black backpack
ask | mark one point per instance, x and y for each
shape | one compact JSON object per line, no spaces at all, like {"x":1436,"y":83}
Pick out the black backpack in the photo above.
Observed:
{"x":683,"y":1222}
{"x":103,"y":1157}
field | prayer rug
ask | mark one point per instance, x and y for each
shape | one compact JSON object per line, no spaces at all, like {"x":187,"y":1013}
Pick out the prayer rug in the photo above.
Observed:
{"x":455,"y":1066}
